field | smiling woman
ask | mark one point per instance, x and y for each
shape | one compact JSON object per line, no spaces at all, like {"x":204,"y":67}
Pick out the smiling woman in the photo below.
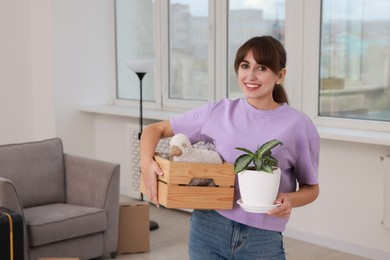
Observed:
{"x":245,"y":122}
{"x":257,"y":82}
{"x":261,"y":67}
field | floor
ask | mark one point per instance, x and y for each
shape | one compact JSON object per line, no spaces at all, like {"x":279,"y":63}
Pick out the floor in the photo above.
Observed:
{"x":169,"y":242}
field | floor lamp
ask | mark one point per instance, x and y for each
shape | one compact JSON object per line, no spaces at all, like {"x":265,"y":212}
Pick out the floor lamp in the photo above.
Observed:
{"x":141,"y":67}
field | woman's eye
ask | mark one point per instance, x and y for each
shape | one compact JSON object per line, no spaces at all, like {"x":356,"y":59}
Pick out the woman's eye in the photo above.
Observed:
{"x":244,"y":66}
{"x":262,"y":68}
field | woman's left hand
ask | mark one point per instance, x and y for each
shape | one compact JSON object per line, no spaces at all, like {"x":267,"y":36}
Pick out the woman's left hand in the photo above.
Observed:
{"x":305,"y":195}
{"x":284,"y":210}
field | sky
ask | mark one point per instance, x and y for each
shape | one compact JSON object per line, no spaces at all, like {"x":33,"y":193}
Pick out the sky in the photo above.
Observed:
{"x":336,"y":9}
{"x":199,"y":7}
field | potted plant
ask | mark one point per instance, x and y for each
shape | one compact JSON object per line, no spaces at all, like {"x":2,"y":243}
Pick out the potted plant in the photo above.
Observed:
{"x":258,"y":177}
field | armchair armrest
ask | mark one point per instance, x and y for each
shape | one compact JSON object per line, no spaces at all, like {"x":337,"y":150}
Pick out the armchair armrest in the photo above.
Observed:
{"x":9,"y":198}
{"x":89,"y":181}
{"x":95,"y":183}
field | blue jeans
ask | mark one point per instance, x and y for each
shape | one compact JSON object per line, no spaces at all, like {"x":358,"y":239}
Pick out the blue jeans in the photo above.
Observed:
{"x":213,"y":237}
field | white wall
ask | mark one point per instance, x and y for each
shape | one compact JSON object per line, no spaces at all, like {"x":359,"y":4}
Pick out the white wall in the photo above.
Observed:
{"x":57,"y":55}
{"x":16,"y":104}
{"x":84,"y":67}
{"x":349,"y":211}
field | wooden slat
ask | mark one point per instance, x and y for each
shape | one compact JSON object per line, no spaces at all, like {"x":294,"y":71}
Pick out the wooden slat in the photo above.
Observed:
{"x":195,"y":197}
{"x":182,"y":173}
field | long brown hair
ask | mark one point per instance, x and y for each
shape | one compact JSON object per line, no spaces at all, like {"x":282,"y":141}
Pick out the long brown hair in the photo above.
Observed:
{"x":269,"y":52}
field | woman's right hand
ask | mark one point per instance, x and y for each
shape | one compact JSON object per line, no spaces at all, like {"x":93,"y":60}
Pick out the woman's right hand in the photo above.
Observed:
{"x":150,"y":170}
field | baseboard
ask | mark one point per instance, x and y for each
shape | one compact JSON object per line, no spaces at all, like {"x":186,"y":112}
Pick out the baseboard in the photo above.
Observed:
{"x":339,"y":245}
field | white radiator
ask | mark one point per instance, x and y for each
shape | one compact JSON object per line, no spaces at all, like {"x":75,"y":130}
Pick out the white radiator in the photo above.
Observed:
{"x":386,"y":199}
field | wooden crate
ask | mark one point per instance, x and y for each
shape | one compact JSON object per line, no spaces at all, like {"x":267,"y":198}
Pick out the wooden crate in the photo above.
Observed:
{"x":174,"y":192}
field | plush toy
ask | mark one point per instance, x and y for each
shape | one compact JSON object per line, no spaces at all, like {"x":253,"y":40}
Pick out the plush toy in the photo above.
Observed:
{"x":181,"y":150}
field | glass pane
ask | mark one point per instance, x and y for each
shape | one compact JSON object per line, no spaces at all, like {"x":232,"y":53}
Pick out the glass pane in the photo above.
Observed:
{"x":188,"y":39}
{"x":132,"y":42}
{"x":355,"y":59}
{"x":247,"y":19}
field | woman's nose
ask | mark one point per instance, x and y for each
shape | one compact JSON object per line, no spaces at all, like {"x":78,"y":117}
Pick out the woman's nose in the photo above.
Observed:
{"x":252,"y":75}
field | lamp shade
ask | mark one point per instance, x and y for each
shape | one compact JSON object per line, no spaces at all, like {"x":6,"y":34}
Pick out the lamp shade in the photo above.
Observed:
{"x":140,"y":65}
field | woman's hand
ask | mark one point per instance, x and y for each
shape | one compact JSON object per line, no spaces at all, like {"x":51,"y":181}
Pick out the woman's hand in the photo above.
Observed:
{"x":305,"y":195}
{"x":284,"y":210}
{"x":150,"y":170}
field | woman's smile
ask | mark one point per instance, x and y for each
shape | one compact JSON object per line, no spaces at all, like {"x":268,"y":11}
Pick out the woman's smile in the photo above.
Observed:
{"x":252,"y":86}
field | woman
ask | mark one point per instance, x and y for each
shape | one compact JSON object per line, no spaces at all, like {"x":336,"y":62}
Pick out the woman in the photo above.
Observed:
{"x":263,"y":114}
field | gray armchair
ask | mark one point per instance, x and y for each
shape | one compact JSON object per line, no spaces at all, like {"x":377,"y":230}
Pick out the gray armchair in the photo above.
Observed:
{"x":70,"y":204}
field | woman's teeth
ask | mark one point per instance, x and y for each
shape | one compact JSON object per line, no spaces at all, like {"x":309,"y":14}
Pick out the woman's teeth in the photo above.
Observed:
{"x":252,"y":85}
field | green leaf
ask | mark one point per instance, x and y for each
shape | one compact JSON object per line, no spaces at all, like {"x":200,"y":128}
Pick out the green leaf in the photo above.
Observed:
{"x":270,"y":160}
{"x":268,"y":152}
{"x":269,"y":145}
{"x":245,"y":150}
{"x":242,"y":162}
{"x":267,"y":168}
{"x":258,"y":163}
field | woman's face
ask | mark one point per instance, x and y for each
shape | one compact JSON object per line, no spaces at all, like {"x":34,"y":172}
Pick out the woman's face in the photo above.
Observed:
{"x":257,"y":82}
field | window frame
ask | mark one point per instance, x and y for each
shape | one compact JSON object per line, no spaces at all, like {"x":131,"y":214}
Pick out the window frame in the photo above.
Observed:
{"x":156,"y":104}
{"x":172,"y":103}
{"x":217,"y":72}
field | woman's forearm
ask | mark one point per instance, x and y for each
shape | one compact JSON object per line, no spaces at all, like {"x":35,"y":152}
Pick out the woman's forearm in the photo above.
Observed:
{"x":150,"y":137}
{"x":305,"y":195}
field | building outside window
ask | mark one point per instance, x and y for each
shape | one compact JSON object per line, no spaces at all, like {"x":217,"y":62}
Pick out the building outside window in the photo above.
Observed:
{"x":355,"y":59}
{"x":188,"y":49}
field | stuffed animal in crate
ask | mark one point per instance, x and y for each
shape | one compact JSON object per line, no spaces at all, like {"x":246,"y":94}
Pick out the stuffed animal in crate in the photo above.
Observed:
{"x":181,"y":150}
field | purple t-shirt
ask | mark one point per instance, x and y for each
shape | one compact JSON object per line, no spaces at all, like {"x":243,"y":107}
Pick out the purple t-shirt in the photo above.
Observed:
{"x":235,"y":123}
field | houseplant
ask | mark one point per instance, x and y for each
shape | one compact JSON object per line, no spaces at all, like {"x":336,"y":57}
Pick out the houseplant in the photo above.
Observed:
{"x":258,"y":177}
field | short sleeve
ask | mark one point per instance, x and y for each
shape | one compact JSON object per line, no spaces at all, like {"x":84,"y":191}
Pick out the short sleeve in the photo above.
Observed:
{"x":306,"y":167}
{"x":191,"y":123}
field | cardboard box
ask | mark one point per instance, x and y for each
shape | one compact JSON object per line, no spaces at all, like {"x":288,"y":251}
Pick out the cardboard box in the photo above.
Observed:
{"x":133,"y":227}
{"x":174,"y":192}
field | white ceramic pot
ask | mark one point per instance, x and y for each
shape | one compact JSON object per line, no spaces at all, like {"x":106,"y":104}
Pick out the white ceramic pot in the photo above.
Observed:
{"x":259,"y":188}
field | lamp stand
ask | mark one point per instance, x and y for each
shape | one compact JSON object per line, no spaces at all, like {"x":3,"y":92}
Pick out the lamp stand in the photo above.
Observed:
{"x":153,"y":225}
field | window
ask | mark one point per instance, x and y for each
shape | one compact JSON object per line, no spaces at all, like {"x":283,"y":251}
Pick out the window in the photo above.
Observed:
{"x":355,"y":59}
{"x":133,"y":42}
{"x":194,"y":43}
{"x":188,"y":50}
{"x":338,"y":66}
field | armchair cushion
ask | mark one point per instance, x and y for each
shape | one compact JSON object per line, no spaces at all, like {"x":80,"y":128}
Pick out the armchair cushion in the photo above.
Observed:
{"x":57,"y":222}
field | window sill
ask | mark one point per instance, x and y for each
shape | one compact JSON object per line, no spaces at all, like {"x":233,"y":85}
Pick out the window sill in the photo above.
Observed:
{"x":115,"y":110}
{"x":353,"y":135}
{"x":326,"y":133}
